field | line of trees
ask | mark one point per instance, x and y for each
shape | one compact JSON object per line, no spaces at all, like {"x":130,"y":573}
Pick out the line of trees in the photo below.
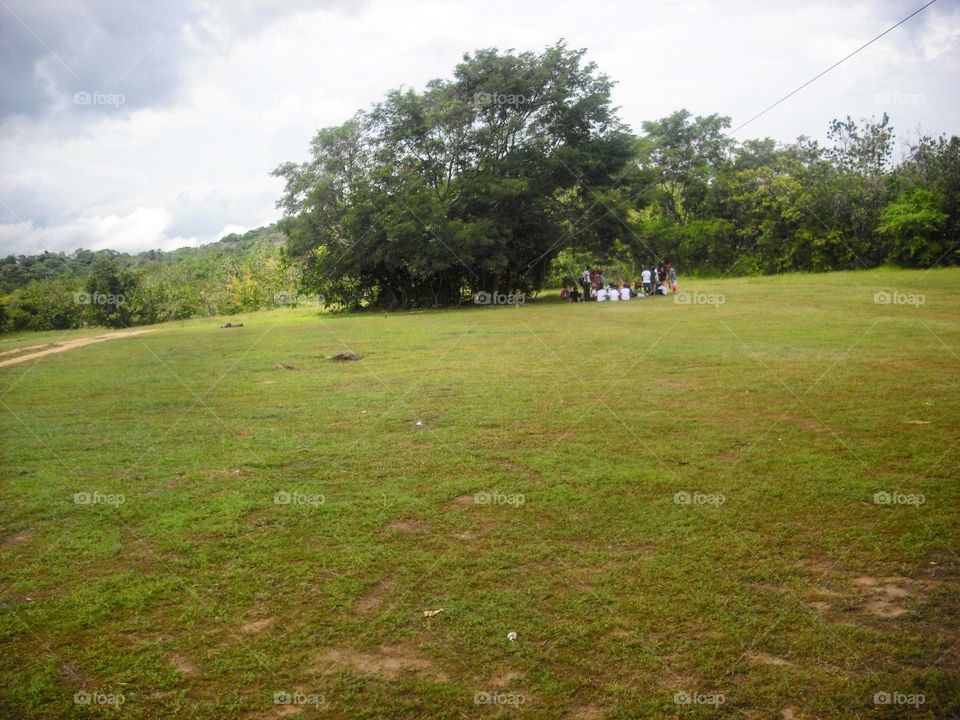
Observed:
{"x":479,"y":182}
{"x":236,"y":274}
{"x":510,"y":176}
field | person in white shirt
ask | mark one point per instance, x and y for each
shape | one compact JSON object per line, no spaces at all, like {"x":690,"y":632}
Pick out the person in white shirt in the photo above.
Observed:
{"x":613,"y":293}
{"x":601,"y":294}
{"x":624,"y":293}
{"x":647,"y":280}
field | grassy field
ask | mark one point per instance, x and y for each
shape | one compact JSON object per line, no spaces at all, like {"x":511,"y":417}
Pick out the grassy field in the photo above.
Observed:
{"x":744,"y":509}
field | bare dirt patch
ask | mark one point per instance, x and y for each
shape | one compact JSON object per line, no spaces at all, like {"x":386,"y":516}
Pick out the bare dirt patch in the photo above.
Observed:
{"x":765,"y":659}
{"x":885,"y":594}
{"x":460,"y":501}
{"x":374,"y":599}
{"x":409,"y":525}
{"x":17,"y":539}
{"x":504,"y":678}
{"x":880,"y":597}
{"x":587,"y":712}
{"x":257,"y":625}
{"x":389,"y":661}
{"x":25,"y":349}
{"x":71,"y":345}
{"x":184,"y":665}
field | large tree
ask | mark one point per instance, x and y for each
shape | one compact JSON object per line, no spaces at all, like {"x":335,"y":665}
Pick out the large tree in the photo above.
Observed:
{"x":473,"y":184}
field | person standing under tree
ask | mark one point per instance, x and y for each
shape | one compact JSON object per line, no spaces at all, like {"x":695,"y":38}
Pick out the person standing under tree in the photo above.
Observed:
{"x":672,"y":278}
{"x":646,"y":277}
{"x":585,"y":282}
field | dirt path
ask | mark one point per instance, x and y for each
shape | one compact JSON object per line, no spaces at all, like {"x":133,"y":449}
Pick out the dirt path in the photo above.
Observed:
{"x":67,"y":345}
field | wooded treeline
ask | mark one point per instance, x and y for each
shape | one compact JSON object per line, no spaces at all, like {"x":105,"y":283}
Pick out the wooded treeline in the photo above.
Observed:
{"x":477,"y":183}
{"x":55,"y":291}
{"x":509,"y":177}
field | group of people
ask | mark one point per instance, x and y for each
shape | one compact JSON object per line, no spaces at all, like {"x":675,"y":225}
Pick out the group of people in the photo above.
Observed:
{"x":658,"y":279}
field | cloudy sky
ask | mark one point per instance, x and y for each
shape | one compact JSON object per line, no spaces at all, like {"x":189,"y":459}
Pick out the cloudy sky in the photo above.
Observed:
{"x":134,"y":124}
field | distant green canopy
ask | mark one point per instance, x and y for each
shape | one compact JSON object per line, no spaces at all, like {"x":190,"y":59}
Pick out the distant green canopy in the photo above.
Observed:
{"x":472,"y":185}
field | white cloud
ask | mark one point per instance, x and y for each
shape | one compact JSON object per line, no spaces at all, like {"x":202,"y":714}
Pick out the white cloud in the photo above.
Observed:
{"x":142,"y":228}
{"x":254,"y":87}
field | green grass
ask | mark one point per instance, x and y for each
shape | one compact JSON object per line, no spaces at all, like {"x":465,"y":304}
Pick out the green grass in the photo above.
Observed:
{"x":791,"y":402}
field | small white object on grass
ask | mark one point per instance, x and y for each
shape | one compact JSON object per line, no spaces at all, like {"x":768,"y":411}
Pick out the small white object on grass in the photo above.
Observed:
{"x":419,"y":423}
{"x":512,"y":636}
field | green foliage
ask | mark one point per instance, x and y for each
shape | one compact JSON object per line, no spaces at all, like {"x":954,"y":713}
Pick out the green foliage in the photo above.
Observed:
{"x":474,"y":184}
{"x":236,"y":274}
{"x":915,"y":225}
{"x":511,"y":176}
{"x":44,"y":305}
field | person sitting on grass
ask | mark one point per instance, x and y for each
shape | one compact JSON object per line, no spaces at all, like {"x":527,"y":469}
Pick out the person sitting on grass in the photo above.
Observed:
{"x":565,"y":293}
{"x":613,"y":293}
{"x":625,"y":292}
{"x":575,"y":294}
{"x":662,"y":287}
{"x":602,"y":294}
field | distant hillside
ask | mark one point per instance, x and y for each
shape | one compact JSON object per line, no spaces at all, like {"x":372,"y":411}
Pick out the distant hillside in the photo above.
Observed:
{"x":238,"y":273}
{"x":17,"y":271}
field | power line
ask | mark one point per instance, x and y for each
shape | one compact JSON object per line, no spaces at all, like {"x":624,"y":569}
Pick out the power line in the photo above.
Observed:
{"x":839,"y":62}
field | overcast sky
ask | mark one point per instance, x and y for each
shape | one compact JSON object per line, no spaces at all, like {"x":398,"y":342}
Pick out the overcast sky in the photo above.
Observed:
{"x":131,"y":124}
